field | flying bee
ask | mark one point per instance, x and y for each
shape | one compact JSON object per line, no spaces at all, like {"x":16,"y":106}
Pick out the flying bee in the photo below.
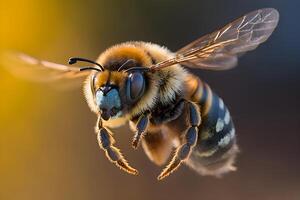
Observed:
{"x":167,"y":107}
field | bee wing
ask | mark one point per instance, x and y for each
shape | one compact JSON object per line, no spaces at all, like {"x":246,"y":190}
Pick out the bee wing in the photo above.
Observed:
{"x":219,"y":50}
{"x":33,"y":69}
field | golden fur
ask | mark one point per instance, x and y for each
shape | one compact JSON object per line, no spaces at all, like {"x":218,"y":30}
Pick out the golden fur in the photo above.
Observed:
{"x":162,"y":85}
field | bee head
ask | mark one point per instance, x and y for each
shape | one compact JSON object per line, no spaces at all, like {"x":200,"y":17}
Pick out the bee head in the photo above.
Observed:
{"x":115,"y":92}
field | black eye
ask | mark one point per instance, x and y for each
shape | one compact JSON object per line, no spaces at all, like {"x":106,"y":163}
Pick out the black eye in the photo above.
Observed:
{"x":135,"y":86}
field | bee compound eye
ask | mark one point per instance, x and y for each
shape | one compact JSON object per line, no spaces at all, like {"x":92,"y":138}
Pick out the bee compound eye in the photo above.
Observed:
{"x":135,"y":86}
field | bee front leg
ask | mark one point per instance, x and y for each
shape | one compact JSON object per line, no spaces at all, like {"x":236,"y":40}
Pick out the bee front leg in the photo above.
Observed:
{"x":187,"y":144}
{"x":141,"y":128}
{"x":106,"y":142}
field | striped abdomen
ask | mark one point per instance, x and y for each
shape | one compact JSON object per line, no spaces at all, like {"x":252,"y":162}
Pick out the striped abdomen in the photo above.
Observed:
{"x":216,"y":148}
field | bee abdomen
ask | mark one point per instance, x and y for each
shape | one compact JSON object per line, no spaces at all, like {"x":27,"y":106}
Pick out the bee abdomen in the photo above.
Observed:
{"x":216,"y":148}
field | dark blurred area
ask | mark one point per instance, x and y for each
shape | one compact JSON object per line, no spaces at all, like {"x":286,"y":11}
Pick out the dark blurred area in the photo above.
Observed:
{"x":48,"y":149}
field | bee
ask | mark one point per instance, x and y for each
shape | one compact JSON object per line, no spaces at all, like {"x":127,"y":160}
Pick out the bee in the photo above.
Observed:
{"x":168,"y":108}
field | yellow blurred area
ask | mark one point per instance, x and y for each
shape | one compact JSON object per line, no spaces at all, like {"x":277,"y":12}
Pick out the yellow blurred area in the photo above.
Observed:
{"x":42,"y":29}
{"x":20,"y":28}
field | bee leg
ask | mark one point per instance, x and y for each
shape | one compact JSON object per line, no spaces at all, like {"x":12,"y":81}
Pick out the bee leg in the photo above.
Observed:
{"x":187,"y":144}
{"x":106,"y":142}
{"x":141,"y":128}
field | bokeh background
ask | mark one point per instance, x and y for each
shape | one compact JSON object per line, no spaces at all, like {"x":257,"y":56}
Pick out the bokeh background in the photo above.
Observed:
{"x":48,"y":149}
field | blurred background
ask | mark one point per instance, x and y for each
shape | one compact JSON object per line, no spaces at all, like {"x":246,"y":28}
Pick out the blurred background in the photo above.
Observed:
{"x":48,"y":149}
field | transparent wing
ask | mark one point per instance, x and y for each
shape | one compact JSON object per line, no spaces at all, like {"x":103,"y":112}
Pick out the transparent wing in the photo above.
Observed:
{"x":33,"y":69}
{"x":38,"y":70}
{"x":219,"y":50}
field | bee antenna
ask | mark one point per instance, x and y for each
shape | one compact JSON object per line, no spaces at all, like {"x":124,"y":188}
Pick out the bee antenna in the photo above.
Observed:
{"x":74,"y":60}
{"x":90,"y":68}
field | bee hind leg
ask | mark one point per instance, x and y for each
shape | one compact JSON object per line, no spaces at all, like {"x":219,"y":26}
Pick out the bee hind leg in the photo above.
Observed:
{"x":106,"y":142}
{"x":189,"y":141}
